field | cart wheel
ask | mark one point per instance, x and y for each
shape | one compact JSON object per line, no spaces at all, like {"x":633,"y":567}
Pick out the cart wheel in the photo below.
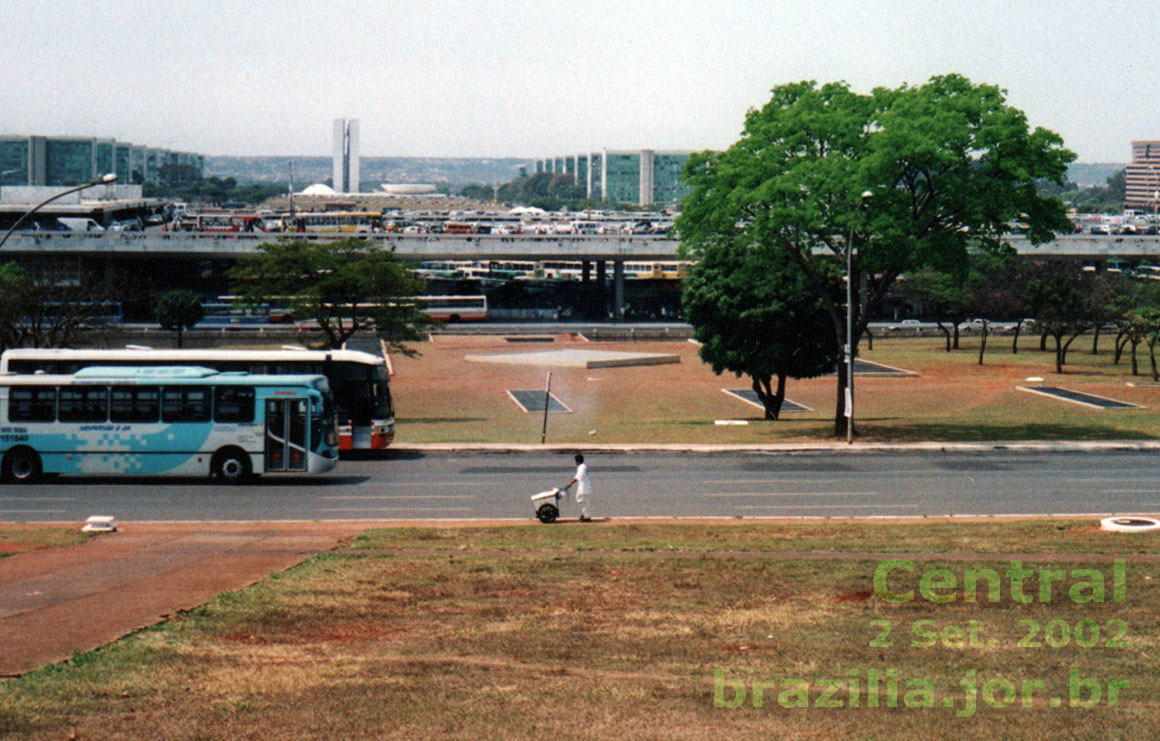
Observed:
{"x":547,"y":513}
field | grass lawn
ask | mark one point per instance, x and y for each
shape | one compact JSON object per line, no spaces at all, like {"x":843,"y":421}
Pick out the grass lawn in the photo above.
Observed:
{"x":442,"y":398}
{"x":18,"y":539}
{"x":635,"y":631}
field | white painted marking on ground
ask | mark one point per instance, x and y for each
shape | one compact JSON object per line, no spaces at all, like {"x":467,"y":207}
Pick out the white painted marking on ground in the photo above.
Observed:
{"x":827,"y":506}
{"x":392,"y":497}
{"x":791,"y":494}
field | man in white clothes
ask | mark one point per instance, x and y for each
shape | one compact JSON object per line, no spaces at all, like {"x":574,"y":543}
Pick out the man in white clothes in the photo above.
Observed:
{"x":583,"y":487}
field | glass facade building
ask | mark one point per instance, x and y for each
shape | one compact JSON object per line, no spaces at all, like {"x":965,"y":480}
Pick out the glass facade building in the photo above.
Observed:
{"x":66,"y":161}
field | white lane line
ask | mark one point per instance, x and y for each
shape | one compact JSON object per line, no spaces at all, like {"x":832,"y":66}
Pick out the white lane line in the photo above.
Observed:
{"x":389,"y":497}
{"x":827,"y":506}
{"x":396,"y":509}
{"x":791,"y":494}
{"x":37,"y":499}
{"x":766,"y":480}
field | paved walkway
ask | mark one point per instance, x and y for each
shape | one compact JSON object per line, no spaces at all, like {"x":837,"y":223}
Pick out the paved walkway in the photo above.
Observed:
{"x":77,"y":598}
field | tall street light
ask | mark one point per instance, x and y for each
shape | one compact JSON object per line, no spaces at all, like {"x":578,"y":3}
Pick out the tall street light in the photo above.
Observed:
{"x":866,"y":195}
{"x":102,"y":180}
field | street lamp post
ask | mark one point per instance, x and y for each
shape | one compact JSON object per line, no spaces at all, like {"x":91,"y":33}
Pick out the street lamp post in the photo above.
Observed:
{"x":866,"y":195}
{"x":103,"y":180}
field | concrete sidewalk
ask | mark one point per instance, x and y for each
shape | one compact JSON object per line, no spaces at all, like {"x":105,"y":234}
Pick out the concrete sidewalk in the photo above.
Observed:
{"x":835,"y":446}
{"x":76,"y":598}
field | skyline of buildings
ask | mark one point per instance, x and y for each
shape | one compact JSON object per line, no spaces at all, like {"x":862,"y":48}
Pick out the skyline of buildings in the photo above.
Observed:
{"x":72,"y":160}
{"x":643,"y":177}
{"x":346,"y":156}
{"x":1142,"y":176}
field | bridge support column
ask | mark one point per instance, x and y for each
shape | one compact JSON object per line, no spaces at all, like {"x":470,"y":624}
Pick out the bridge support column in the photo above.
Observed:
{"x":618,"y":290}
{"x":586,"y":271}
{"x":602,"y":288}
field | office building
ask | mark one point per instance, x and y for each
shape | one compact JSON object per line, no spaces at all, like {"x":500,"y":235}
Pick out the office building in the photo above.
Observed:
{"x":642,"y":177}
{"x":346,"y":156}
{"x":72,"y":160}
{"x":1142,"y":177}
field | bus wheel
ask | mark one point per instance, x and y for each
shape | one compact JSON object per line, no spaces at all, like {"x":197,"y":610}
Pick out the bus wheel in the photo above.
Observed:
{"x":22,"y":465}
{"x":231,"y":466}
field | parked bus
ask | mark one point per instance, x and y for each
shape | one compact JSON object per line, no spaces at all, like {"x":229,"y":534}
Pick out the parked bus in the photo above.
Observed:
{"x":183,"y":421}
{"x":454,"y":308}
{"x":334,"y":221}
{"x":358,"y":380}
{"x":222,"y":222}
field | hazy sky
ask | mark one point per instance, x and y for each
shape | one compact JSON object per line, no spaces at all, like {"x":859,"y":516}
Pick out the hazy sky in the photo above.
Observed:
{"x":544,"y":77}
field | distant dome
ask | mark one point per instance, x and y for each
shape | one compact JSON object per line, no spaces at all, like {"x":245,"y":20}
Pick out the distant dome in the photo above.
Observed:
{"x":319,"y":189}
{"x":407,"y":189}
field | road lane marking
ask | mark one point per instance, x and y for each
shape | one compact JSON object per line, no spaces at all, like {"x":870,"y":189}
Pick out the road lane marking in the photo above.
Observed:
{"x":791,"y":494}
{"x":396,"y":509}
{"x":389,"y":497}
{"x":827,"y":506}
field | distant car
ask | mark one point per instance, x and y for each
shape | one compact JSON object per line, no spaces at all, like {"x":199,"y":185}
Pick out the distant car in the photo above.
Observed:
{"x":905,"y":324}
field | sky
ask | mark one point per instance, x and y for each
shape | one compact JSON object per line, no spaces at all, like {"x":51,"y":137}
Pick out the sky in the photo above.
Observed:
{"x":535,"y":78}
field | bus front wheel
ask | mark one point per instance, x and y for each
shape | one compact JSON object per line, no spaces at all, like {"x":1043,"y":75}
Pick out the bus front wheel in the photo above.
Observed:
{"x":22,"y":465}
{"x":232,"y":466}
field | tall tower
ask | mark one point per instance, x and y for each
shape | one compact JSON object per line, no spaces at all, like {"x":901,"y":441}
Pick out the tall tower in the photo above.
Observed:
{"x":346,"y":175}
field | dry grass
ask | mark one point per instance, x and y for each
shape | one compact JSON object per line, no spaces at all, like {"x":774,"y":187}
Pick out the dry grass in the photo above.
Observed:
{"x":442,"y":398}
{"x":23,"y":538}
{"x":605,"y":634}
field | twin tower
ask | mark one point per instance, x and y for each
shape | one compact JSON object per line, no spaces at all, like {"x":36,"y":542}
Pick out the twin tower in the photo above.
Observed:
{"x":346,"y":155}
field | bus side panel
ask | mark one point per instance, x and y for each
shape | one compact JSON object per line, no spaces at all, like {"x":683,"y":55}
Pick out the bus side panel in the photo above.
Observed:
{"x":149,"y":449}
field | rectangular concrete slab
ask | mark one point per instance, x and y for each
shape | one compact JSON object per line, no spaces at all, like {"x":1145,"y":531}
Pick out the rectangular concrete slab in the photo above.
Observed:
{"x":578,"y":358}
{"x":532,"y":400}
{"x":1079,"y":397}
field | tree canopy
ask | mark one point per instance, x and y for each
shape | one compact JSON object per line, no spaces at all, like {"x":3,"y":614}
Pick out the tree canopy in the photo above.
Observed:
{"x":755,"y":315}
{"x":179,"y":310}
{"x":346,"y":286}
{"x":949,"y":165}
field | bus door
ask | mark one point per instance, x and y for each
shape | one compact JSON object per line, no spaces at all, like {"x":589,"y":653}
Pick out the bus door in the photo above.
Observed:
{"x":286,"y":425}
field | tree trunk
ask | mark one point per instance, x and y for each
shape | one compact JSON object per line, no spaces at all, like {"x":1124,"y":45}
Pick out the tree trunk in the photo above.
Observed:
{"x":1015,"y":342}
{"x":983,"y":343}
{"x":179,"y":338}
{"x":1058,"y":353}
{"x":1152,"y":360}
{"x":840,"y":404}
{"x":956,"y":336}
{"x":1135,"y":367}
{"x":1043,"y":342}
{"x":1096,"y":340}
{"x":1067,"y":344}
{"x":946,"y":332}
{"x":770,"y":400}
{"x":870,"y":340}
{"x":1120,"y":343}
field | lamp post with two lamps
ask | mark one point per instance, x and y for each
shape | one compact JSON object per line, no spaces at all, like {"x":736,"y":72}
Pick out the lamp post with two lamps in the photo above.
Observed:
{"x":849,"y":353}
{"x":102,"y":180}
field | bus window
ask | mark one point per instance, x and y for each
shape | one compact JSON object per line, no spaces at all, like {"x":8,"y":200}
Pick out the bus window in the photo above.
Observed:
{"x":185,"y":404}
{"x":135,"y":404}
{"x":84,"y":404}
{"x":233,"y":404}
{"x":32,"y":404}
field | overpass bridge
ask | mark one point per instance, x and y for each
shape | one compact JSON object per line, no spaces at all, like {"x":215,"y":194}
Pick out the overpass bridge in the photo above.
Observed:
{"x":593,"y":248}
{"x":114,"y":252}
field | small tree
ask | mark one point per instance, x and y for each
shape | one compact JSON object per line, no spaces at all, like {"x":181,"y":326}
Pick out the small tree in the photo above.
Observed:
{"x":1061,"y":309}
{"x":178,"y":311}
{"x":346,"y":286}
{"x":756,"y":315}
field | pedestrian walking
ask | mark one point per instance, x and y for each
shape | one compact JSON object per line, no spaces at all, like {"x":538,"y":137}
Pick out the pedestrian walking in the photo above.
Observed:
{"x":583,"y":488}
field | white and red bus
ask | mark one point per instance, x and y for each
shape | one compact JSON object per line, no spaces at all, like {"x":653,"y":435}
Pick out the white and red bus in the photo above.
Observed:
{"x":358,"y":380}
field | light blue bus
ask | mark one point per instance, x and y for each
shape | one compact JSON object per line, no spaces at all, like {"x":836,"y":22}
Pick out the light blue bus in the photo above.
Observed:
{"x":165,"y":420}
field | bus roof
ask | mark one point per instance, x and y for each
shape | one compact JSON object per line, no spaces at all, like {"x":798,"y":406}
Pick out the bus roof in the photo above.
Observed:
{"x":193,"y":356}
{"x":163,"y":374}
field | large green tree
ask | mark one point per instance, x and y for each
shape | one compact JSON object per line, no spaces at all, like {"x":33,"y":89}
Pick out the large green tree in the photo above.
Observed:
{"x":756,"y":315}
{"x":345,"y":285}
{"x":948,"y":164}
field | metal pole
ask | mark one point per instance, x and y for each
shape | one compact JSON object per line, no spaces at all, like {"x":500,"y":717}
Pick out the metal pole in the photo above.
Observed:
{"x":103,"y":180}
{"x":849,"y":354}
{"x":547,"y":399}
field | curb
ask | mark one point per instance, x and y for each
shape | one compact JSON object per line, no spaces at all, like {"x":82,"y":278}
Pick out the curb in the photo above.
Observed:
{"x":1110,"y":446}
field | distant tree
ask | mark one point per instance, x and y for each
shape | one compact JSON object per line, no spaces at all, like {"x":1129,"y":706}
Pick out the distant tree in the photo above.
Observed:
{"x":40,"y":310}
{"x":1060,"y":307}
{"x":942,"y":296}
{"x":178,"y":311}
{"x":347,"y":286}
{"x":756,"y":315}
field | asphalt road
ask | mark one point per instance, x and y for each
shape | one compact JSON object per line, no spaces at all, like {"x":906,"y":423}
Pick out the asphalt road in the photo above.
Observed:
{"x":419,"y":485}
